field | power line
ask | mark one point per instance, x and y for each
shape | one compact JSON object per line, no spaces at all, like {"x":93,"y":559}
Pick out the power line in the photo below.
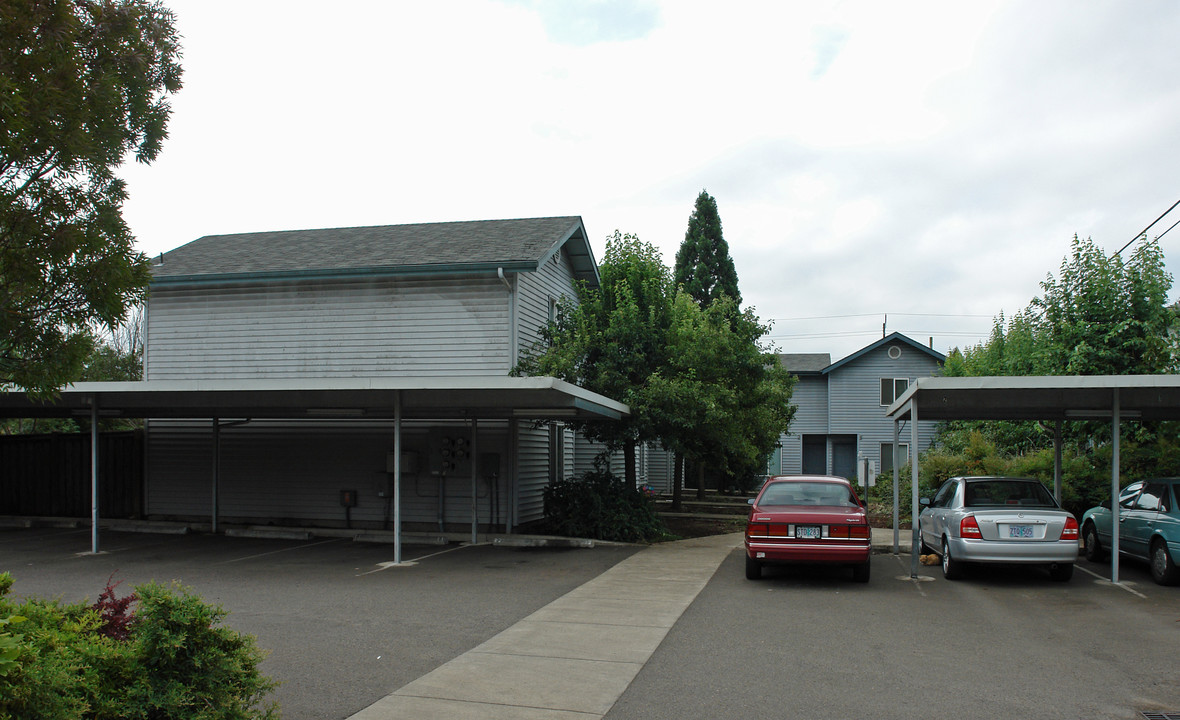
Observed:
{"x":874,"y":315}
{"x":1143,"y":232}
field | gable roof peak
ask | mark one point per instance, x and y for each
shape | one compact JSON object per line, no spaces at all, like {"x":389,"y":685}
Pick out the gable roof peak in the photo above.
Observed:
{"x":891,"y":338}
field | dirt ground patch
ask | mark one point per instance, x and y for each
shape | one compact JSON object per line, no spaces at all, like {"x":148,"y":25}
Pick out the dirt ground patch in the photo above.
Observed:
{"x":690,"y":527}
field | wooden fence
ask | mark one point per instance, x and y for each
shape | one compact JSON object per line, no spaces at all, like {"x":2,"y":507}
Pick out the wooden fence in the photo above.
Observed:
{"x":49,"y":475}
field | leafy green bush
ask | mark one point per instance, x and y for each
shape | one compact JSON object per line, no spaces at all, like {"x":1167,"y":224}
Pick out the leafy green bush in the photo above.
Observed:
{"x":174,"y":661}
{"x":599,"y":505}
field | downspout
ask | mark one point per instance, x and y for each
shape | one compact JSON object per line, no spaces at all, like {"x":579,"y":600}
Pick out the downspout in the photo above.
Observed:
{"x":512,"y":349}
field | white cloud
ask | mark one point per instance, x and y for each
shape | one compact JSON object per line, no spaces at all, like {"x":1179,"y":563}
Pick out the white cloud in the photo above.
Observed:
{"x":867,"y":158}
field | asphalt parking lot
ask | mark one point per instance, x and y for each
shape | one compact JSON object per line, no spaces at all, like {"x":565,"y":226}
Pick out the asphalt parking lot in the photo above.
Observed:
{"x":341,"y":631}
{"x":344,"y":630}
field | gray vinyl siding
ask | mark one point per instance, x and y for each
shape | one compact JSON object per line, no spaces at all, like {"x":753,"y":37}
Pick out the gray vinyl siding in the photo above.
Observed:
{"x":810,"y":398}
{"x":657,"y":468}
{"x":380,"y":327}
{"x":532,"y":471}
{"x":294,"y":471}
{"x":855,"y":398}
{"x":554,"y":279}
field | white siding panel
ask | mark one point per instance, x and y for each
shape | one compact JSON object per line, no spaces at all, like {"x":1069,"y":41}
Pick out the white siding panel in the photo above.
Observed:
{"x":387,"y":327}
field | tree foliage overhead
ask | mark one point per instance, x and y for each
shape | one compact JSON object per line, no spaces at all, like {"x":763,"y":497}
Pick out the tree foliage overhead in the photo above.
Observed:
{"x":83,"y":83}
{"x":703,"y":265}
{"x":1100,"y":316}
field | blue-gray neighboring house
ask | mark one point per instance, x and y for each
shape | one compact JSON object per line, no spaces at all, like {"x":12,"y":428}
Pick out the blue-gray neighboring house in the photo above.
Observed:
{"x":840,"y":407}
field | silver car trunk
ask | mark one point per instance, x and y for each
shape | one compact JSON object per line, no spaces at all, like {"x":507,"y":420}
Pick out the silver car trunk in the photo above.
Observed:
{"x":1020,"y":525}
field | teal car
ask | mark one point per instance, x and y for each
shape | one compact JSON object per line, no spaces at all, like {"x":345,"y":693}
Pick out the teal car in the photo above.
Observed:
{"x":1149,"y":527}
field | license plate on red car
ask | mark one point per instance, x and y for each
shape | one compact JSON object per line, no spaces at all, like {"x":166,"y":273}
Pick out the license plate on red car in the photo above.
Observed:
{"x":808,"y":532}
{"x":1020,"y":531}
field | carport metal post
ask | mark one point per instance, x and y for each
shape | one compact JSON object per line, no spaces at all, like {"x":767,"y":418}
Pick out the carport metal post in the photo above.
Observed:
{"x":94,"y":475}
{"x":397,"y":477}
{"x":896,"y":491}
{"x":914,"y":547}
{"x":1057,"y":461}
{"x":1114,"y":489}
{"x":216,"y":470}
{"x":474,"y":481}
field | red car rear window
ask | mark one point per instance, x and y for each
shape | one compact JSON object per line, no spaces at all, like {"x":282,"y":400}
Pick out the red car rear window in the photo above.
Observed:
{"x":807,"y":493}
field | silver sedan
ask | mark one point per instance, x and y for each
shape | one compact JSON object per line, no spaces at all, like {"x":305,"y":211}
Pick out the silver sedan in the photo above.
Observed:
{"x":998,"y":520}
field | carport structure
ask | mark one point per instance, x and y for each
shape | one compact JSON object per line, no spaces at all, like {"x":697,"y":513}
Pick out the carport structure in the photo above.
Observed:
{"x":433,"y":398}
{"x":1048,"y":398}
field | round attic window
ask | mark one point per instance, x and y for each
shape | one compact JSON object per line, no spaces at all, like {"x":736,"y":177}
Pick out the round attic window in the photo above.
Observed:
{"x":894,"y":352}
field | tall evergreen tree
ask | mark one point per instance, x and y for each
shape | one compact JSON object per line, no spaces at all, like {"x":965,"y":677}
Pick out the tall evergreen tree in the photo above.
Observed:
{"x":703,"y":265}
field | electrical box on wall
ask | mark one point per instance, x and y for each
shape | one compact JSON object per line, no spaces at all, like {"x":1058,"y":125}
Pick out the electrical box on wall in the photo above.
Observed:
{"x":450,"y":455}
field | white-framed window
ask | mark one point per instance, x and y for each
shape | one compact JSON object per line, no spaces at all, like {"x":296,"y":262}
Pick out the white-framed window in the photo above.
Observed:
{"x":887,"y":456}
{"x":892,"y":389}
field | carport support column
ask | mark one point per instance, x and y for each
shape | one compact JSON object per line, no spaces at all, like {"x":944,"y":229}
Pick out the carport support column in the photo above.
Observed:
{"x":1057,"y":461}
{"x":1114,"y":488}
{"x":474,"y":481}
{"x":397,"y":477}
{"x":914,"y":509}
{"x":216,"y":471}
{"x":896,"y":490}
{"x":94,"y":476}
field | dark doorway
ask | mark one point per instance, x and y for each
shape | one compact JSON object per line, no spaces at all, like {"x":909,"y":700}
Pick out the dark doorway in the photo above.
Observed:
{"x":844,"y":456}
{"x":815,"y":455}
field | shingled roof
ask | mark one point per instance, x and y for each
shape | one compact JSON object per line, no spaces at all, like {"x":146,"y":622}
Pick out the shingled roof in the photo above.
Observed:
{"x":451,"y":247}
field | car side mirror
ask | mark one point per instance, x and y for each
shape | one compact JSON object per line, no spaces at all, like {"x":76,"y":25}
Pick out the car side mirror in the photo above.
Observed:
{"x":924,"y":502}
{"x":863,"y":503}
{"x":1105,"y":504}
{"x":750,"y":501}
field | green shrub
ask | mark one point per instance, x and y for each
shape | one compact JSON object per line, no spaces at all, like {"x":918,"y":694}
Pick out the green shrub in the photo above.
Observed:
{"x":599,"y":505}
{"x":174,"y":661}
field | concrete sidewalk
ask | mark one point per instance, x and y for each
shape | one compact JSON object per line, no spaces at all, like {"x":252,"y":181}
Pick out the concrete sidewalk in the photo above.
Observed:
{"x":574,"y":657}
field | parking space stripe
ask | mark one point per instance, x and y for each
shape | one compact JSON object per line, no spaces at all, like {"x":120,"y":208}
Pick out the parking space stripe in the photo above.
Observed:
{"x":1108,"y":582}
{"x":276,"y":552}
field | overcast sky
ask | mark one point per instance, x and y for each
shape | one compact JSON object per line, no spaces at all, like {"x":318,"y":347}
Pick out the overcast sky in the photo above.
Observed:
{"x":926,"y":160}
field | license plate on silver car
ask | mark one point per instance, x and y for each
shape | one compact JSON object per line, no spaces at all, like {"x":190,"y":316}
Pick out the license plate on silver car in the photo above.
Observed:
{"x":808,"y":532}
{"x":1020,"y":531}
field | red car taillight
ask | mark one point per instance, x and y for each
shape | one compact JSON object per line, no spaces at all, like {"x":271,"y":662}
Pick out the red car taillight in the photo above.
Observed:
{"x":968,"y":528}
{"x":756,"y":530}
{"x":1070,"y":531}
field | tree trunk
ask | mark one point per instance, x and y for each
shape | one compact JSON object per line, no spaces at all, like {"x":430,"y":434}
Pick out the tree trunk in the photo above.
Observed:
{"x":677,"y":481}
{"x":700,"y":481}
{"x":629,"y":466}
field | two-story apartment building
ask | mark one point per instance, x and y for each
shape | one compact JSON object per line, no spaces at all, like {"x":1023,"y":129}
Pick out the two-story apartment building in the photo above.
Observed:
{"x":438,"y":300}
{"x":840,"y":406}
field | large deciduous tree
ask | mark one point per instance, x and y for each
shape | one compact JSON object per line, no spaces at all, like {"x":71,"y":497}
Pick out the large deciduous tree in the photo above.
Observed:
{"x":83,"y":83}
{"x":721,"y":400}
{"x":611,"y":339}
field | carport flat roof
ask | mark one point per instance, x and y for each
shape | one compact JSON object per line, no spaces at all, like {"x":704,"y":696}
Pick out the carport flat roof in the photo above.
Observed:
{"x":1140,"y":397}
{"x":489,"y":397}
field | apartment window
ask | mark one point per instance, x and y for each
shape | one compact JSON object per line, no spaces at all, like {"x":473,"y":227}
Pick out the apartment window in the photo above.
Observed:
{"x":892,"y":389}
{"x":887,"y":456}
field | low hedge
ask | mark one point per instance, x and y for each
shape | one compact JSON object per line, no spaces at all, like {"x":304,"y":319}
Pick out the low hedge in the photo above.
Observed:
{"x":158,"y":654}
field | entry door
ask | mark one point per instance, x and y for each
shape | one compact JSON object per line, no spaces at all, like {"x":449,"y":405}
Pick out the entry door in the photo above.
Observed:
{"x":844,"y":456}
{"x":815,"y":455}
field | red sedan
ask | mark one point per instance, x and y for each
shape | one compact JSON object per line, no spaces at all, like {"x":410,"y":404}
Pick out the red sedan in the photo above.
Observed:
{"x":808,"y":519}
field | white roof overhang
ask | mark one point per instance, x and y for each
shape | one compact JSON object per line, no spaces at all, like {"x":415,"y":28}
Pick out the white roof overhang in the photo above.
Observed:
{"x":1140,"y":397}
{"x":419,"y":397}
